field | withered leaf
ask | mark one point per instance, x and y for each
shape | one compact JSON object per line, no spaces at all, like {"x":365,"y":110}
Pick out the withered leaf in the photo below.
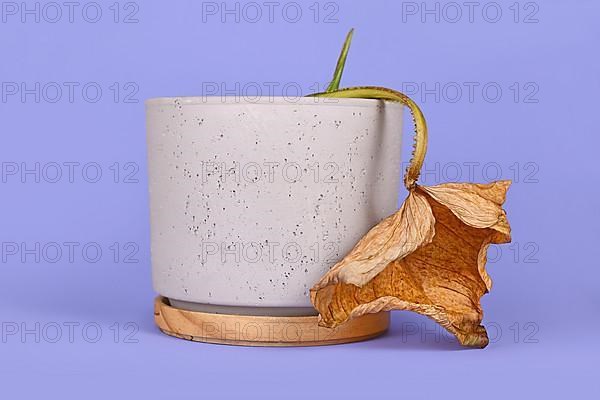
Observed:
{"x":428,"y":257}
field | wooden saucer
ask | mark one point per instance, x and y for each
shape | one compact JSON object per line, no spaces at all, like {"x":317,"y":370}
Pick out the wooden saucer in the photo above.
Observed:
{"x":250,"y":330}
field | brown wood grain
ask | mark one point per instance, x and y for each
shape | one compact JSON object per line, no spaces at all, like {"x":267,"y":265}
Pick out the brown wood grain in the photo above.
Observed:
{"x":249,"y":330}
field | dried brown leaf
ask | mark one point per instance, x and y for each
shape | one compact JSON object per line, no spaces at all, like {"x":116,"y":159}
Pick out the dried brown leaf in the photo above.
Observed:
{"x":428,"y":257}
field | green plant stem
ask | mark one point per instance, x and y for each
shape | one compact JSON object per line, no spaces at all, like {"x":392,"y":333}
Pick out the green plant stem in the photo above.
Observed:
{"x":339,"y":68}
{"x":420,"y":126}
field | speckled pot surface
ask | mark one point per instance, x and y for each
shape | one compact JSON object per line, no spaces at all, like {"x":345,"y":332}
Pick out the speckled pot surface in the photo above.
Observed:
{"x":251,"y":202}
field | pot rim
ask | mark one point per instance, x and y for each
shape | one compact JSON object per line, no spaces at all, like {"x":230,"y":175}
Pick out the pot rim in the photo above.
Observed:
{"x":263,"y":100}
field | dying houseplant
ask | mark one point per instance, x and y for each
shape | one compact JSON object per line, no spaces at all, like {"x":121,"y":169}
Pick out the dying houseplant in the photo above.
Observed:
{"x":206,"y":214}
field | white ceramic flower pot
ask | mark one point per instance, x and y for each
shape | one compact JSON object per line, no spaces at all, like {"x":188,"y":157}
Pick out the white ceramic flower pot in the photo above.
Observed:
{"x":252,"y":202}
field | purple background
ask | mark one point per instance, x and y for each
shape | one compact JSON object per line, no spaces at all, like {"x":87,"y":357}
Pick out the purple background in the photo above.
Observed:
{"x":545,"y":300}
